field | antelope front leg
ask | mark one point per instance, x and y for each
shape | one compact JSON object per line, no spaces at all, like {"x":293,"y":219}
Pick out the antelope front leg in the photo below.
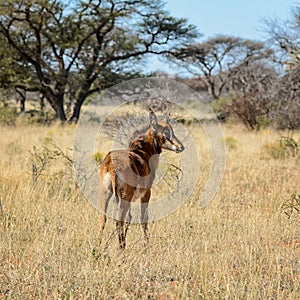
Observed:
{"x":128,"y":222}
{"x":144,"y":214}
{"x":120,"y":229}
{"x":102,"y":222}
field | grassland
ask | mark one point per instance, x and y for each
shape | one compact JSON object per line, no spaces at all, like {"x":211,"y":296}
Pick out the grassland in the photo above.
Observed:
{"x":241,"y":246}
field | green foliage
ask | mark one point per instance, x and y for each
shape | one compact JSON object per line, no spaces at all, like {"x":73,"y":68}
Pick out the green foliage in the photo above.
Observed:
{"x":98,"y":157}
{"x":263,"y":122}
{"x":231,"y":142}
{"x":219,"y":105}
{"x":283,"y":148}
{"x":8,"y":115}
{"x":289,"y":144}
{"x":81,"y":47}
{"x":37,"y":117}
{"x":292,"y":205}
{"x":13,"y":70}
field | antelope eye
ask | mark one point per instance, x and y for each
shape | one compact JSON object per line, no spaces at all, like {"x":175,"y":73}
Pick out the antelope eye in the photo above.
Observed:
{"x":166,"y":133}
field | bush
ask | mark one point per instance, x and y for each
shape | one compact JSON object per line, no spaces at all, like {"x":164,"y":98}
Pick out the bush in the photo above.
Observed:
{"x":37,"y":117}
{"x":285,"y":147}
{"x":44,"y":163}
{"x":98,"y":157}
{"x":292,"y":205}
{"x":8,"y":115}
{"x":251,"y":109}
{"x":220,"y":107}
{"x":231,"y":142}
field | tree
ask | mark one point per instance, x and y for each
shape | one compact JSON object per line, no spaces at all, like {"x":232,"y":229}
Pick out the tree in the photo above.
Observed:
{"x":216,"y":60}
{"x":88,"y":38}
{"x":285,"y":40}
{"x":285,"y":108}
{"x":251,"y":86}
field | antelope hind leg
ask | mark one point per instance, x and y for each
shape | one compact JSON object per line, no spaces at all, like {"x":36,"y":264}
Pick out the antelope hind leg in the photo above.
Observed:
{"x":124,"y":209}
{"x":144,"y":214}
{"x":105,"y":196}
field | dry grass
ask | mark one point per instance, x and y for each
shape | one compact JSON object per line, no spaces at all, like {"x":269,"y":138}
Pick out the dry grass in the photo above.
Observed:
{"x":241,"y":246}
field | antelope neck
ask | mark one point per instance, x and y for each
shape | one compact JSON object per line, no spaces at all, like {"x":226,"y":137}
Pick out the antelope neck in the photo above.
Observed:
{"x":147,"y":144}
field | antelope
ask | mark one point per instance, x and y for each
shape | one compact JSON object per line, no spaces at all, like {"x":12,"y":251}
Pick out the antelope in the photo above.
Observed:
{"x":128,"y":174}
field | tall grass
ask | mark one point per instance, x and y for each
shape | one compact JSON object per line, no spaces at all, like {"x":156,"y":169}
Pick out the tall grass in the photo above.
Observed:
{"x":241,"y":246}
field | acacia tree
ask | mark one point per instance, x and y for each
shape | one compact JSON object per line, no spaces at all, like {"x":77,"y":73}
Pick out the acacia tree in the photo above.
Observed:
{"x":216,"y":60}
{"x":286,"y":104}
{"x":88,"y":38}
{"x":285,"y":39}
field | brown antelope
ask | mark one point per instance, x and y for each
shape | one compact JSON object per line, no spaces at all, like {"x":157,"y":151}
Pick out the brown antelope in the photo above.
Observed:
{"x":129,"y":174}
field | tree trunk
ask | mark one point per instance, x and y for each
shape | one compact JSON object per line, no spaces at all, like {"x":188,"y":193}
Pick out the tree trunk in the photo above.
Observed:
{"x":77,"y":108}
{"x":22,"y":103}
{"x":211,"y":87}
{"x":81,"y":98}
{"x":56,"y":100}
{"x":211,"y":90}
{"x":60,"y":111}
{"x":42,"y":102}
{"x":22,"y":98}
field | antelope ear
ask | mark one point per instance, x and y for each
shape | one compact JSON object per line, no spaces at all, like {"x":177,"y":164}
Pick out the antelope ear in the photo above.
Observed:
{"x":152,"y":119}
{"x":168,"y":118}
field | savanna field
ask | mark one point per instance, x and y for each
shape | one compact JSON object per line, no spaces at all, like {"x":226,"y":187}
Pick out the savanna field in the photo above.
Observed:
{"x":245,"y":244}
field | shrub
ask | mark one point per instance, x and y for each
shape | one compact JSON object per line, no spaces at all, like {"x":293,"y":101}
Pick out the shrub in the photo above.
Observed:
{"x":220,"y":107}
{"x":8,"y":115}
{"x":292,"y":205}
{"x":98,"y":157}
{"x":231,"y":142}
{"x":37,"y":117}
{"x":43,"y":159}
{"x":251,"y":108}
{"x":285,"y":147}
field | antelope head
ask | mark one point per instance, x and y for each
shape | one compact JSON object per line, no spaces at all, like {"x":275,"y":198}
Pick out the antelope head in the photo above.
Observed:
{"x":163,"y":130}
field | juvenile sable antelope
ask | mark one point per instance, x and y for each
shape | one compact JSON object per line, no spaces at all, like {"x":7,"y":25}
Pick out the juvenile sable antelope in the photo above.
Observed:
{"x":129,"y":174}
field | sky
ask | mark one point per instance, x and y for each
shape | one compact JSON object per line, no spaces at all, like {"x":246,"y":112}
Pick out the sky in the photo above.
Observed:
{"x":230,"y":17}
